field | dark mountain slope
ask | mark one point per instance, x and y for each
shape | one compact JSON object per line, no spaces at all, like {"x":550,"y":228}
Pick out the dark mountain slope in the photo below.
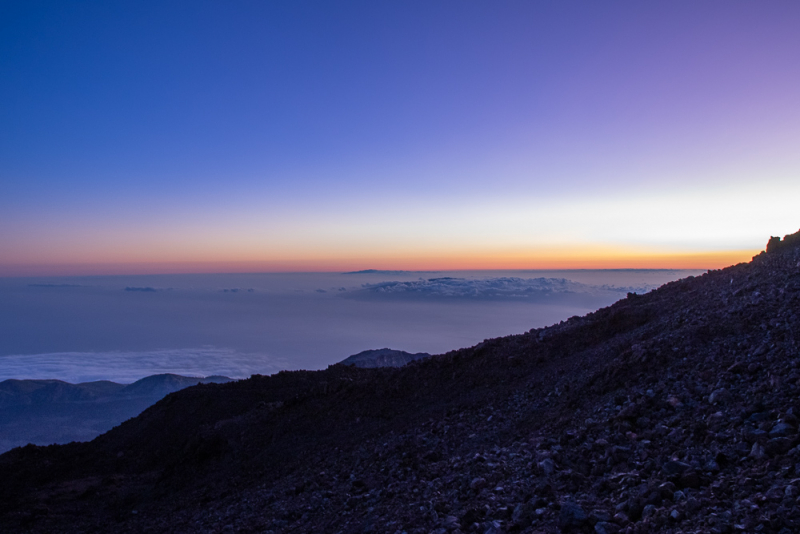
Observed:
{"x":672,"y":411}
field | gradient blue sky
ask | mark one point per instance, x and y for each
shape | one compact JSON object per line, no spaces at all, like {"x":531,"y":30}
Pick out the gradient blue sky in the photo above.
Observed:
{"x":230,"y":136}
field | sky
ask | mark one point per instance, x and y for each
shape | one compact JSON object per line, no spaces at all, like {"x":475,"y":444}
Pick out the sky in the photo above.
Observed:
{"x":161,"y":137}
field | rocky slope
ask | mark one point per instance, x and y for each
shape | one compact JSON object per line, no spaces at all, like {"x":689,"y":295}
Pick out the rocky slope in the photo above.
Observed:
{"x":674,"y":411}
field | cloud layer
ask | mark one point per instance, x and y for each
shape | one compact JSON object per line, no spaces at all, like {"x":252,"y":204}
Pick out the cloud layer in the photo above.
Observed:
{"x":127,"y":367}
{"x":500,"y":288}
{"x":100,"y":331}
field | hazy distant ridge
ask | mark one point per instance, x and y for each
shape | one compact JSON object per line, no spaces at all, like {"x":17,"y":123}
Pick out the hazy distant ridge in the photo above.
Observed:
{"x":44,"y":412}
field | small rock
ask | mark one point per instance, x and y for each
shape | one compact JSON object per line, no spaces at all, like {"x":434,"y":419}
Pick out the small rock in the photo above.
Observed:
{"x":758,"y":417}
{"x":775,"y":494}
{"x":719,"y":396}
{"x":667,"y":490}
{"x":523,"y":515}
{"x":599,"y":516}
{"x":790,"y":418}
{"x":777,"y":446}
{"x":571,"y":516}
{"x":621,"y":518}
{"x":547,"y":466}
{"x":737,"y":368}
{"x":711,"y":466}
{"x":753,"y":368}
{"x":674,"y":467}
{"x":781,"y":430}
{"x":755,"y":434}
{"x":692,"y":505}
{"x":690,"y":479}
{"x":604,"y":527}
{"x":477,"y":484}
{"x":758,"y":452}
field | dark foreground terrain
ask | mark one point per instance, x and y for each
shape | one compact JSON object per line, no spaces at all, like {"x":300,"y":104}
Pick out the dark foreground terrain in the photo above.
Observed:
{"x":674,"y":411}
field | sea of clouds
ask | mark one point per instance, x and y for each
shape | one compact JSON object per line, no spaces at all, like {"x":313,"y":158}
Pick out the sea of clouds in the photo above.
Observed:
{"x":128,"y":367}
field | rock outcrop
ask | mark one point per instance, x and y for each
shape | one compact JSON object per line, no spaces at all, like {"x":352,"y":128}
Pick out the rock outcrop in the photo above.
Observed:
{"x":790,"y":241}
{"x":383,"y":358}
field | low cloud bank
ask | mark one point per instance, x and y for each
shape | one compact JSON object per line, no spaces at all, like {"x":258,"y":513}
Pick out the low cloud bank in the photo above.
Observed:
{"x":54,"y":285}
{"x":146,"y":289}
{"x":127,"y":367}
{"x":501,"y":288}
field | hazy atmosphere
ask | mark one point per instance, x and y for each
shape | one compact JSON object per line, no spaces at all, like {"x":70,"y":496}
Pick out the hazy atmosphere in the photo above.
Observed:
{"x":123,"y":328}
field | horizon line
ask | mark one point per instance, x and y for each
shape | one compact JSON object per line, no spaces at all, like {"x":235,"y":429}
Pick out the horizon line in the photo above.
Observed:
{"x":708,"y":260}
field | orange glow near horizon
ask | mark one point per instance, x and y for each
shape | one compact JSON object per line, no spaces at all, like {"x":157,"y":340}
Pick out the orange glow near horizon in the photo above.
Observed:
{"x":553,"y":259}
